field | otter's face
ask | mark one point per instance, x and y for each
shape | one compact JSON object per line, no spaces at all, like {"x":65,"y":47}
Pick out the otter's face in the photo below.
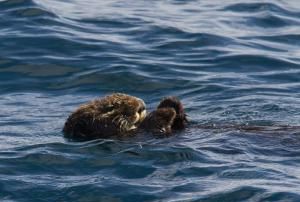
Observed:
{"x":159,"y":121}
{"x":129,"y":111}
{"x":140,"y":113}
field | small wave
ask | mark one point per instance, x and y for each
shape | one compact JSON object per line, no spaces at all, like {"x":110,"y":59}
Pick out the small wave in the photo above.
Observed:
{"x":16,"y":3}
{"x":33,"y":12}
{"x":269,"y":21}
{"x":234,"y":65}
{"x":260,"y":7}
{"x":24,"y":9}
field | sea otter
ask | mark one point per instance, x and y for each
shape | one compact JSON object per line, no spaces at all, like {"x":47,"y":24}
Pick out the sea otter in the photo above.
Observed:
{"x":114,"y":115}
{"x":168,"y":116}
{"x":120,"y":115}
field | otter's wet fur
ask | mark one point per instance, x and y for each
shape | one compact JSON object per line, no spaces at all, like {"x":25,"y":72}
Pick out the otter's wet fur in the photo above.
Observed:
{"x":167,"y":118}
{"x":114,"y":115}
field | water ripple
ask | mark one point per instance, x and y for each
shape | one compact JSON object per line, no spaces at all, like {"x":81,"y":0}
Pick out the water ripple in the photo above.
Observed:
{"x":234,"y":65}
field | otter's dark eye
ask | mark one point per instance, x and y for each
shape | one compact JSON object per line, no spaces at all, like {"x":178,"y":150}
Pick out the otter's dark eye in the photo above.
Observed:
{"x":141,"y":109}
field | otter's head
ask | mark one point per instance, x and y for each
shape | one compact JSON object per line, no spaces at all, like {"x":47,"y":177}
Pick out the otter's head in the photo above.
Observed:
{"x":126,"y":111}
{"x":180,"y":120}
{"x":160,"y":121}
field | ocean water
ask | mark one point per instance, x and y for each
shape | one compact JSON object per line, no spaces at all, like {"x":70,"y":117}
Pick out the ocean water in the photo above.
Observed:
{"x":232,"y":63}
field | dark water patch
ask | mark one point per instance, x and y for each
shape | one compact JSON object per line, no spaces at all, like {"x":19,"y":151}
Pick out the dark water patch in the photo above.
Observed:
{"x":251,"y":8}
{"x":278,"y":196}
{"x":30,"y":12}
{"x":45,"y":70}
{"x":117,"y":25}
{"x":238,"y":194}
{"x":171,"y":38}
{"x":21,"y":11}
{"x":188,"y":40}
{"x":15,"y":3}
{"x":250,"y":63}
{"x":196,"y":171}
{"x":270,"y":21}
{"x":45,"y":45}
{"x":291,"y":39}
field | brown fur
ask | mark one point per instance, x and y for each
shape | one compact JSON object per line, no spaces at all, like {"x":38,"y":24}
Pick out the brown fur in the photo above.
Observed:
{"x":180,"y":120}
{"x":168,"y":116}
{"x":112,"y":115}
{"x":159,"y":121}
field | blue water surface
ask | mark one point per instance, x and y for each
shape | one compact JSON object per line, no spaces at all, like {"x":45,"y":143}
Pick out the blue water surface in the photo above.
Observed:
{"x":232,"y":63}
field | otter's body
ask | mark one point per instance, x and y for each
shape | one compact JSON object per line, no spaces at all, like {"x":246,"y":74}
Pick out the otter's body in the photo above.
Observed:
{"x":114,"y":115}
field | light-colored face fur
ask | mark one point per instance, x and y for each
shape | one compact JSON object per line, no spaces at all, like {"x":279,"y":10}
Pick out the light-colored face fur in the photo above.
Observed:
{"x":126,"y":112}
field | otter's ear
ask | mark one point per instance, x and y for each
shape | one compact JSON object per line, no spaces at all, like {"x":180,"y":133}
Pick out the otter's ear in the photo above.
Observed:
{"x":170,"y":101}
